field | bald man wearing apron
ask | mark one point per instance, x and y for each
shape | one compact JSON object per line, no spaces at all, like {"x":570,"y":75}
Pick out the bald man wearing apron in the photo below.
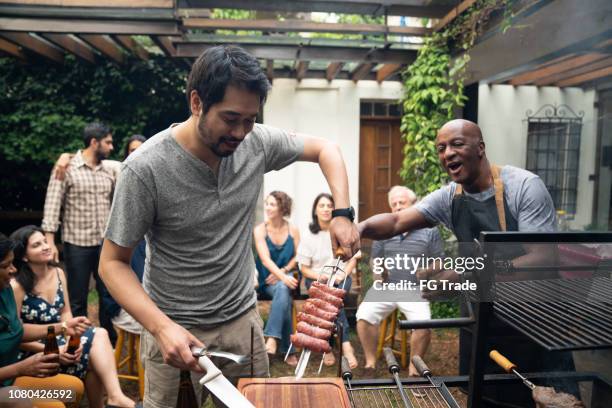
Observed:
{"x":483,"y":197}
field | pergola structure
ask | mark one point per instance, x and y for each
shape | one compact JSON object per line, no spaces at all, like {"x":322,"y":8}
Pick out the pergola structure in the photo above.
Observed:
{"x":181,"y":29}
{"x":562,"y":43}
{"x":551,"y":43}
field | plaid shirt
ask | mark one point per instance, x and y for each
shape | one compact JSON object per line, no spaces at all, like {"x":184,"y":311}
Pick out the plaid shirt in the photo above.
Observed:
{"x":82,"y":201}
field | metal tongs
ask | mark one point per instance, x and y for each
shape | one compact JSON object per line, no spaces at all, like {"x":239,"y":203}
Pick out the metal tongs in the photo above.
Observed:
{"x":305,"y":355}
{"x":203,"y":351}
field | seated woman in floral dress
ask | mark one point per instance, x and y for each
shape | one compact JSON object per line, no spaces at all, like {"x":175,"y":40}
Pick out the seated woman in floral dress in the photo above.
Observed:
{"x":42,"y":298}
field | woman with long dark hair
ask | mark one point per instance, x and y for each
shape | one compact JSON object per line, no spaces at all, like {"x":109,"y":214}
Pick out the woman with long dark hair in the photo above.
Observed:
{"x":37,"y":370}
{"x":42,"y":297}
{"x":315,"y":252}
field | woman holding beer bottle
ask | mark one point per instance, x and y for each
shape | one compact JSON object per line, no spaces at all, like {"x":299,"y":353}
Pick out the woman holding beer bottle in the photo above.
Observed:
{"x":42,"y":298}
{"x":37,"y":370}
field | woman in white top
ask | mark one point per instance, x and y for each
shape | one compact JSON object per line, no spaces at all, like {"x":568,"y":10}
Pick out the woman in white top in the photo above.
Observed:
{"x":315,"y":252}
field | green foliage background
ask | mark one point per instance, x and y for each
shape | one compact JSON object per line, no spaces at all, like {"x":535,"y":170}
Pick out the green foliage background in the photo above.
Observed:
{"x":45,"y":107}
{"x":434,"y":90}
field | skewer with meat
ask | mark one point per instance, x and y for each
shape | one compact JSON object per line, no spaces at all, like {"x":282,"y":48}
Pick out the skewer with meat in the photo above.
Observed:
{"x":311,"y":309}
{"x":310,"y":343}
{"x":313,"y":331}
{"x":322,"y":304}
{"x":330,"y":290}
{"x":315,"y":321}
{"x":318,"y":293}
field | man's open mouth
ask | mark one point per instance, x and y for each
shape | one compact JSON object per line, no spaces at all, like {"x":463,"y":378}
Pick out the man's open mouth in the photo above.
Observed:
{"x":455,"y":167}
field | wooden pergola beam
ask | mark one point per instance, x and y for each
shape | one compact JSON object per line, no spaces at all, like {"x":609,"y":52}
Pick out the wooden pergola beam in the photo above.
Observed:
{"x":369,"y":7}
{"x":302,"y":26}
{"x":34,"y":44}
{"x":72,"y":45}
{"x":302,"y":68}
{"x":105,"y":45}
{"x":12,"y":49}
{"x":551,"y":80}
{"x":132,"y":45}
{"x":361,"y":71}
{"x":333,"y":69}
{"x":386,"y":71}
{"x":95,"y":3}
{"x":552,"y":69}
{"x":588,"y":77}
{"x":193,"y":49}
{"x":453,"y":13}
{"x":166,"y":45}
{"x":88,"y":26}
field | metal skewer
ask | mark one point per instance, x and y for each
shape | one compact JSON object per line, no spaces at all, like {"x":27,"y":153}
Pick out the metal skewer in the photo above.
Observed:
{"x":394,"y":369}
{"x":305,"y":356}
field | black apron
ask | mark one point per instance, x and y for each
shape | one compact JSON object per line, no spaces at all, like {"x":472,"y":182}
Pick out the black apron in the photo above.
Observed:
{"x":469,"y":218}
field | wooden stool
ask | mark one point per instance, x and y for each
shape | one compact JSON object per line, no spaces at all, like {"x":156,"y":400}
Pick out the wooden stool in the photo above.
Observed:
{"x":133,"y":355}
{"x":385,"y":339}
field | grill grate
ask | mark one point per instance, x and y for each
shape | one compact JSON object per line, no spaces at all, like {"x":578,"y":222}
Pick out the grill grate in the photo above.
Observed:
{"x":420,"y":396}
{"x":559,"y":314}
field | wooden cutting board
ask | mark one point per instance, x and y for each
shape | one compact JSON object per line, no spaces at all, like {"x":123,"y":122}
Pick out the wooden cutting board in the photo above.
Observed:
{"x":288,"y":392}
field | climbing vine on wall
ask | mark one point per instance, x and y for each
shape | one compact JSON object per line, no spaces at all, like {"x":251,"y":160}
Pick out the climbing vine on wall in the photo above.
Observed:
{"x":434,"y":88}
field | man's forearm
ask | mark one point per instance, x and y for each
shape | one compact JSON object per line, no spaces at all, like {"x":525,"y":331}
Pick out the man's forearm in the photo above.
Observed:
{"x":127,"y":290}
{"x":380,"y":226}
{"x":333,"y":168}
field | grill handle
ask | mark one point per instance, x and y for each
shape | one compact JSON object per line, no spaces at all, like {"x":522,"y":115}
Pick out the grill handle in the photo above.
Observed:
{"x":391,"y":361}
{"x":502,"y":361}
{"x":421,"y":367}
{"x":347,"y":373}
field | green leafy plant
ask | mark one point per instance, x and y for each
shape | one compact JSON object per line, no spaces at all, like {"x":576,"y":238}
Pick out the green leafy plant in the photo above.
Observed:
{"x":434,"y":89}
{"x":45,"y":107}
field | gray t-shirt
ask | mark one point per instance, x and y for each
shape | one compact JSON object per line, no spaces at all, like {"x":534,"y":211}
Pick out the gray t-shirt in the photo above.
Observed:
{"x":526,"y":195}
{"x":198,"y":227}
{"x":421,"y":243}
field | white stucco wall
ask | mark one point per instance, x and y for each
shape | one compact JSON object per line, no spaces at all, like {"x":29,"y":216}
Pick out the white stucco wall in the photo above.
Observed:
{"x":501,"y":116}
{"x":328,"y":110}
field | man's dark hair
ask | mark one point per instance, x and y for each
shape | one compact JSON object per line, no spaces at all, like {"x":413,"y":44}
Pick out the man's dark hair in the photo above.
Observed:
{"x":95,"y":130}
{"x":225,"y":65}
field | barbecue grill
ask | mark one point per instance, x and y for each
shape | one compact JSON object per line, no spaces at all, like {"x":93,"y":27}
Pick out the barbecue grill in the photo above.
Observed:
{"x":397,"y":393}
{"x":579,"y":319}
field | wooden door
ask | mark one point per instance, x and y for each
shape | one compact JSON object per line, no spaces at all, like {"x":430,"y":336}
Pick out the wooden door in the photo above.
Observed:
{"x":380,"y":159}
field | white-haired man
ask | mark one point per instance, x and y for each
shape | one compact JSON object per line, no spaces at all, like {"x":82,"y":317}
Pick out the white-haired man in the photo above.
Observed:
{"x":379,"y":304}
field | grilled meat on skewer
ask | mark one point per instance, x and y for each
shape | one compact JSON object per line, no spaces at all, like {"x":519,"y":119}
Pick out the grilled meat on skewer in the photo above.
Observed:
{"x":315,"y":321}
{"x":310,"y":343}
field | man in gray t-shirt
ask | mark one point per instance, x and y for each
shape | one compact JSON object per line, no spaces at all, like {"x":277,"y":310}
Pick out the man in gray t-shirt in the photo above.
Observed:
{"x":191,"y":190}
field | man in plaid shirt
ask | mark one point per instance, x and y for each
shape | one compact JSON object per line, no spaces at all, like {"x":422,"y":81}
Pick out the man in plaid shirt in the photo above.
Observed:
{"x":80,"y":202}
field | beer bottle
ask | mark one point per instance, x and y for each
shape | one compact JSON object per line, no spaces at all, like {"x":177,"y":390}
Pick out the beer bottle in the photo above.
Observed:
{"x":73,"y":344}
{"x":51,"y":342}
{"x":186,"y":396}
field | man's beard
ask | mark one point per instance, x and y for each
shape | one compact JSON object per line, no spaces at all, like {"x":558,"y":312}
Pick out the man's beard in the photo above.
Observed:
{"x":204,"y":134}
{"x":100,"y":155}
